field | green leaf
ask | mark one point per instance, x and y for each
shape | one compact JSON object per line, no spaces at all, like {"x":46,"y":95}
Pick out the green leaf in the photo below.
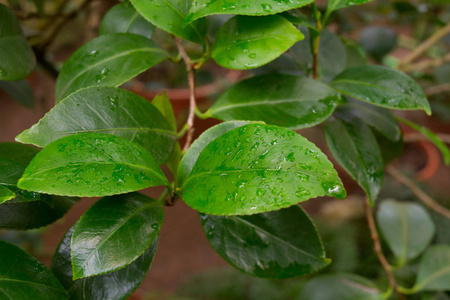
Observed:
{"x":17,"y":59}
{"x":279,"y":99}
{"x":407,"y":228}
{"x":124,"y":18}
{"x":92,"y":165}
{"x":202,"y":8}
{"x":125,"y":223}
{"x":355,"y":55}
{"x":382,"y":86}
{"x":108,"y":60}
{"x":169,"y":15}
{"x":342,"y":287}
{"x":445,"y":151}
{"x":434,"y":270}
{"x":105,"y":110}
{"x":355,"y":148}
{"x":14,"y":158}
{"x":24,"y":277}
{"x":20,"y":91}
{"x":258,"y":168}
{"x":338,"y":4}
{"x":250,"y":42}
{"x":115,"y":285}
{"x":6,"y":194}
{"x":390,"y":150}
{"x":332,"y":56}
{"x":162,"y":103}
{"x":278,"y":244}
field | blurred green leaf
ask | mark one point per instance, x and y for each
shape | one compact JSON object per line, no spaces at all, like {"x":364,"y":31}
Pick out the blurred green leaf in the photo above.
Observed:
{"x":20,"y":91}
{"x":433,"y":273}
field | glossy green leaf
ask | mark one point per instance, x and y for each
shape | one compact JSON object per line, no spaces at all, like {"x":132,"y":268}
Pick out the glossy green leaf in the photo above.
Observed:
{"x":258,"y":168}
{"x":6,"y":194}
{"x":278,"y":99}
{"x":162,"y":103}
{"x":431,"y":136}
{"x":342,"y":287}
{"x":126,"y":223}
{"x":278,"y":244}
{"x":124,"y":18}
{"x":92,"y":165}
{"x":382,"y":86}
{"x":108,"y":60}
{"x":17,"y":59}
{"x":202,"y":8}
{"x":169,"y":15}
{"x":105,"y":110}
{"x":24,"y":277}
{"x":407,"y":228}
{"x":355,"y":148}
{"x":434,"y":270}
{"x":250,"y":42}
{"x":20,"y":91}
{"x":111,"y":286}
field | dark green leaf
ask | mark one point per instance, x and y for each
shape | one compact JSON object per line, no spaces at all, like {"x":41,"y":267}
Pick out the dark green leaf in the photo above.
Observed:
{"x":332,"y":56}
{"x":382,"y":86}
{"x":14,"y":158}
{"x":279,"y":99}
{"x":126,"y":223}
{"x":17,"y":59}
{"x":258,"y":168}
{"x":278,"y":244}
{"x":162,"y":103}
{"x":250,"y":42}
{"x":406,"y":227}
{"x":355,"y":148}
{"x":339,"y":4}
{"x":6,"y":194}
{"x":24,"y":277}
{"x":434,"y":270}
{"x":378,"y":41}
{"x":355,"y":55}
{"x":169,"y":15}
{"x":20,"y":91}
{"x":390,"y":150}
{"x":92,"y":165}
{"x":105,"y":110}
{"x":108,"y":60}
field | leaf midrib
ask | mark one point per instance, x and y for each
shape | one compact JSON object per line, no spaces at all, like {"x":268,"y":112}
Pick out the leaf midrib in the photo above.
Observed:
{"x":31,"y":282}
{"x":165,"y":132}
{"x":257,"y":103}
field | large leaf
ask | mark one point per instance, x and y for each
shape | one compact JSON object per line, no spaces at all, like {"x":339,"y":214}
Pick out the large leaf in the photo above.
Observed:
{"x":355,"y":148}
{"x":407,"y":228}
{"x":92,"y":165}
{"x":108,"y":60}
{"x":20,"y":91}
{"x":250,"y":42}
{"x":17,"y":59}
{"x":169,"y":15}
{"x":383,"y":87}
{"x":278,"y":244}
{"x":5,"y":194}
{"x":111,"y":286}
{"x":434,"y":270}
{"x":278,"y":99}
{"x":24,"y":277}
{"x":105,"y":110}
{"x":202,"y":8}
{"x":124,"y":18}
{"x":342,"y":287}
{"x":113,"y":233}
{"x":258,"y":168}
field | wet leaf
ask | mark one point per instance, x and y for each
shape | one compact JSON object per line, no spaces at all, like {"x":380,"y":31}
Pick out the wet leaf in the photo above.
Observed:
{"x":434,"y":270}
{"x":6,"y":194}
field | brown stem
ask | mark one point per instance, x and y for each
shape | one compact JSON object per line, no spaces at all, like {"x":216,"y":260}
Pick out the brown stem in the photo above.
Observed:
{"x":316,"y":41}
{"x":377,"y":249}
{"x":427,"y":64}
{"x":425,"y":198}
{"x":191,"y":80}
{"x":437,"y":89}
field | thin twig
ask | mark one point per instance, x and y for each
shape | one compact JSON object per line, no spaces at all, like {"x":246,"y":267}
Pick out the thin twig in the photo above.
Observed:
{"x":316,"y":42}
{"x":191,"y":79}
{"x":437,"y":89}
{"x":418,"y":137}
{"x":378,"y":251}
{"x":426,"y":64}
{"x":425,"y":198}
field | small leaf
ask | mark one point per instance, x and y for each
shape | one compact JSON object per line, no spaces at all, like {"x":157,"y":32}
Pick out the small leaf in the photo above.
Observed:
{"x":279,"y":244}
{"x":258,"y":168}
{"x":202,"y":8}
{"x":250,"y":42}
{"x":332,"y":56}
{"x":407,"y":228}
{"x":382,"y":86}
{"x":355,"y":148}
{"x":434,"y":270}
{"x":92,"y":165}
{"x":342,"y":287}
{"x":355,"y":55}
{"x":284,"y":100}
{"x":169,"y":15}
{"x":105,"y":110}
{"x":339,"y":4}
{"x":20,"y":91}
{"x":14,"y":158}
{"x":126,"y":223}
{"x":124,"y":18}
{"x":6,"y":194}
{"x":24,"y":277}
{"x":162,"y":103}
{"x":108,"y":60}
{"x":445,"y":151}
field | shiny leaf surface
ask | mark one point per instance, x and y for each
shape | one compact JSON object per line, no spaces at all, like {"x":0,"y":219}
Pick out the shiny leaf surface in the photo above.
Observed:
{"x":258,"y":168}
{"x":278,"y":244}
{"x":434,"y":270}
{"x":92,"y":165}
{"x":6,"y":194}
